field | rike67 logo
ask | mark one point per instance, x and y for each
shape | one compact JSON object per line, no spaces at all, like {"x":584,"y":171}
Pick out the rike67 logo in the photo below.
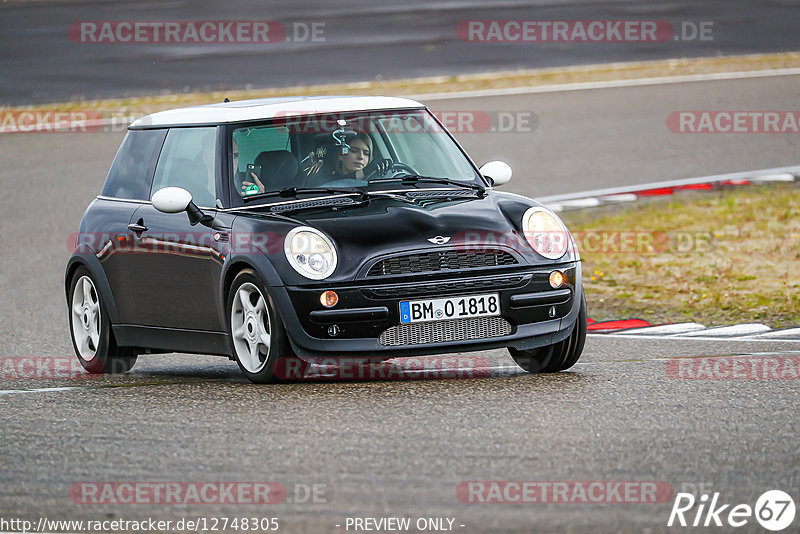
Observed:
{"x":774,"y":510}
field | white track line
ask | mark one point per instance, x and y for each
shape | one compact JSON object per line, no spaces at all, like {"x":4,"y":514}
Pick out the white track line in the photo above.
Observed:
{"x":625,"y":197}
{"x":737,"y":330}
{"x":581,"y":203}
{"x":608,"y":84}
{"x":697,"y":338}
{"x":787,"y":332}
{"x":751,"y":176}
{"x":785,"y":177}
{"x":679,"y":328}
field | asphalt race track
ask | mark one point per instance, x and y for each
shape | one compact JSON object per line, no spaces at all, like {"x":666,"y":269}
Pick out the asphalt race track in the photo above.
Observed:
{"x":400,"y":448}
{"x":359,"y":40}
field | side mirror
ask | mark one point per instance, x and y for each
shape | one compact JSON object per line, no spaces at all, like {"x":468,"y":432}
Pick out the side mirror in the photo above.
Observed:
{"x":498,"y":172}
{"x":176,"y":200}
{"x":171,"y":199}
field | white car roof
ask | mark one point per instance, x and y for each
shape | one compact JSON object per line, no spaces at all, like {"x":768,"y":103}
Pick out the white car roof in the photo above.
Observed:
{"x":268,"y":108}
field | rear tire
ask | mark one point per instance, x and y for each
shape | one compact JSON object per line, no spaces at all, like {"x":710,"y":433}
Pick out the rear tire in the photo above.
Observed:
{"x":90,"y":329}
{"x":558,"y":356}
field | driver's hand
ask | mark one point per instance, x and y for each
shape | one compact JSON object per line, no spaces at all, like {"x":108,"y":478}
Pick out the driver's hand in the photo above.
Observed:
{"x":383,"y":166}
{"x":255,"y":181}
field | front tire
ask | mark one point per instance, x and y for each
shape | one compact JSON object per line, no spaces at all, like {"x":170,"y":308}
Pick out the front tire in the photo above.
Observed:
{"x":258,"y":337}
{"x":558,"y":356}
{"x":90,"y":329}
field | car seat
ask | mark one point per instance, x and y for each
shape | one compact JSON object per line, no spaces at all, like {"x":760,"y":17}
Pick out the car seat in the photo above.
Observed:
{"x":278,"y":169}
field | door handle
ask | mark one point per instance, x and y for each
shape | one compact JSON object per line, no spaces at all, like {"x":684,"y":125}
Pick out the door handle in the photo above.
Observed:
{"x":137,"y":227}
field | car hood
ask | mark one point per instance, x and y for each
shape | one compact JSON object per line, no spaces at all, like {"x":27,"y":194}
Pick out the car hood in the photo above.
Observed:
{"x":386,"y":226}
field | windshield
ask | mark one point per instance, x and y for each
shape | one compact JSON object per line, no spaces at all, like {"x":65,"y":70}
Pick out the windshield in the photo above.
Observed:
{"x":344,"y":150}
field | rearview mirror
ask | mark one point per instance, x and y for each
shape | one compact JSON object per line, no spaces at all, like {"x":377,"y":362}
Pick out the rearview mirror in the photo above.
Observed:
{"x":498,"y":172}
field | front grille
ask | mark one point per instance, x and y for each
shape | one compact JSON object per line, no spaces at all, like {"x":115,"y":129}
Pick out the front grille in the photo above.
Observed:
{"x":444,"y":260}
{"x":441,"y":288}
{"x":444,"y":331}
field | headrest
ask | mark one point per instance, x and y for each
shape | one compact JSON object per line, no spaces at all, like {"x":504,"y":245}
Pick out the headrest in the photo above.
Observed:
{"x":278,"y":168}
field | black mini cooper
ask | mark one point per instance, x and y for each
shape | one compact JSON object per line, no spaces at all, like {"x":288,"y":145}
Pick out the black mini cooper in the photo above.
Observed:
{"x":291,"y":229}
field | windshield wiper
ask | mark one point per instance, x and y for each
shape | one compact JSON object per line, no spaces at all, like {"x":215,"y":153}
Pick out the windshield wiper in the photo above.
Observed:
{"x":333,"y":203}
{"x":416,"y":178}
{"x":292,"y":192}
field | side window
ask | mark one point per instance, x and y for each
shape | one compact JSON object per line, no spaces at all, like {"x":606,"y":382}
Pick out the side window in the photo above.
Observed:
{"x":131,"y":173}
{"x":187,"y":161}
{"x":253,"y":141}
{"x":269,"y":150}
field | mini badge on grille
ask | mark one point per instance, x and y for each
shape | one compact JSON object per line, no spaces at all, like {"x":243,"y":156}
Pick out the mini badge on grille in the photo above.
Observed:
{"x":439,"y":240}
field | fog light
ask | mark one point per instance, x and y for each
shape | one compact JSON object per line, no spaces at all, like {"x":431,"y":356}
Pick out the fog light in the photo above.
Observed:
{"x":329,"y":299}
{"x":556,"y":279}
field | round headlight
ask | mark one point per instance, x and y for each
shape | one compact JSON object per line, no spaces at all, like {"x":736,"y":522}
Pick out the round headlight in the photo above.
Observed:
{"x":545,"y":232}
{"x":310,"y":252}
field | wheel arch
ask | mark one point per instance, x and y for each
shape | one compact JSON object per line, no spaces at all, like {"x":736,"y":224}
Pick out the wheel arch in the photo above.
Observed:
{"x":261,"y":266}
{"x":86,"y":259}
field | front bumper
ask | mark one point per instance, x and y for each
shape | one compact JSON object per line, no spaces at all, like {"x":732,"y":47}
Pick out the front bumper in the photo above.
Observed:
{"x":368,"y":316}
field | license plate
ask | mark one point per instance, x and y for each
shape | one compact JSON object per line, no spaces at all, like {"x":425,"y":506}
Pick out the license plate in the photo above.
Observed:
{"x":417,"y":311}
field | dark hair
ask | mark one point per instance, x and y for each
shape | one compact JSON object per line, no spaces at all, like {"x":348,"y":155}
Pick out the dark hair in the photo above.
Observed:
{"x":363,"y":137}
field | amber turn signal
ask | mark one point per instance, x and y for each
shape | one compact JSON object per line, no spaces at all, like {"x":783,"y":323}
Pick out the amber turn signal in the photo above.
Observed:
{"x":329,"y":299}
{"x":556,"y":279}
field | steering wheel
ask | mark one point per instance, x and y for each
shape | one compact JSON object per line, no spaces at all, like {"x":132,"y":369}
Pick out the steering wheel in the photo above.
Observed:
{"x":394,"y":168}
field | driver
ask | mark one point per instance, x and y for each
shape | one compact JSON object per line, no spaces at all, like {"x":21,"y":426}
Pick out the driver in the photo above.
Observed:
{"x":351,"y":165}
{"x":355,"y":165}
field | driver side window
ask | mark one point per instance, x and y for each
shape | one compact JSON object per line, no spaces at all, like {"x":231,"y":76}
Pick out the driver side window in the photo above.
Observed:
{"x":187,"y":161}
